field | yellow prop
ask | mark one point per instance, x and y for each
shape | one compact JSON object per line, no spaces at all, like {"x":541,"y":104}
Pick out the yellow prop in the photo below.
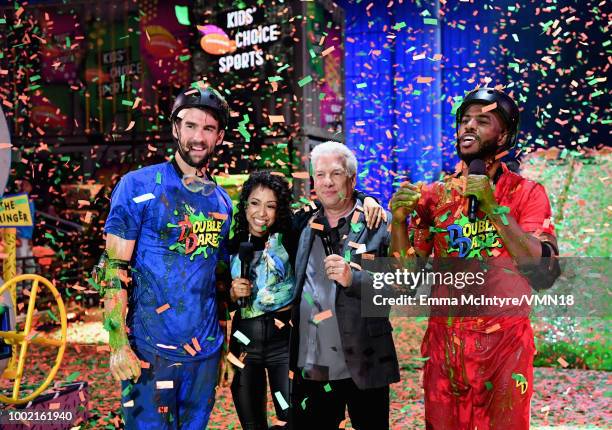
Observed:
{"x":25,"y":338}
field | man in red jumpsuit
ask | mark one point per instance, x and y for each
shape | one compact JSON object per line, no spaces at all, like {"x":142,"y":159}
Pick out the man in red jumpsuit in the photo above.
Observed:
{"x":478,"y":371}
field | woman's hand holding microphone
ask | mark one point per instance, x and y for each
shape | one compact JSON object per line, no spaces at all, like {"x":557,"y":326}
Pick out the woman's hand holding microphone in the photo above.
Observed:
{"x":241,"y":287}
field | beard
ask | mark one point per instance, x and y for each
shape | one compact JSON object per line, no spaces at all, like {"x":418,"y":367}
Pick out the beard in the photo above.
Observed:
{"x":485,"y":151}
{"x":187,"y":158}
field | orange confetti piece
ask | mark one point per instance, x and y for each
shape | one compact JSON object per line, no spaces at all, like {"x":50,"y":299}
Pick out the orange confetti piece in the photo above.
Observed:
{"x":276,"y":118}
{"x":278,"y":323}
{"x":492,"y":329}
{"x":300,"y":175}
{"x":490,"y":107}
{"x":189,"y":349}
{"x":424,"y":79}
{"x":562,"y":362}
{"x":234,"y":360}
{"x":162,"y":308}
{"x":317,"y":226}
{"x":502,"y":154}
{"x":322,"y":316}
{"x":144,"y":364}
{"x":54,"y":406}
{"x":217,"y":215}
{"x":196,"y":344}
{"x":328,"y":51}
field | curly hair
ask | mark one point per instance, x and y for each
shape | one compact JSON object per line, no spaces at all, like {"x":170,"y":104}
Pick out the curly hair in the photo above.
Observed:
{"x":280,"y":188}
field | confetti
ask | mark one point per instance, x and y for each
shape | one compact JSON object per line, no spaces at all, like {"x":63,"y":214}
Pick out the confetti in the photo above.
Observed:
{"x":164,"y":385}
{"x":241,"y":337}
{"x":143,"y":198}
{"x":322,"y":316}
{"x":162,"y":308}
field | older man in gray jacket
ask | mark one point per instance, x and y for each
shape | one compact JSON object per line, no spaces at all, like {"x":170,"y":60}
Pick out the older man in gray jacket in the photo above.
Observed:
{"x":339,"y":358}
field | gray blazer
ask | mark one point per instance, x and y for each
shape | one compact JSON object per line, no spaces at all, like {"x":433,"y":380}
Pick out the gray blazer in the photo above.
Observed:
{"x":367,"y":342}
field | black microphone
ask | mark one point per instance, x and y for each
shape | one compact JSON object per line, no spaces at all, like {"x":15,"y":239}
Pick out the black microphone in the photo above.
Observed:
{"x":326,"y":240}
{"x":245,"y":252}
{"x":327,"y":244}
{"x":477,"y":167}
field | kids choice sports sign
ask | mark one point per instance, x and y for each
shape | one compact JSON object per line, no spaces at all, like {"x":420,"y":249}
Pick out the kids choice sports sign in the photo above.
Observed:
{"x":240,"y":45}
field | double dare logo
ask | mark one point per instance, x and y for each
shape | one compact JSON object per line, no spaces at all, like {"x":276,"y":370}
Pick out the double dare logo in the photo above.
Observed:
{"x":470,"y":239}
{"x":198,"y":234}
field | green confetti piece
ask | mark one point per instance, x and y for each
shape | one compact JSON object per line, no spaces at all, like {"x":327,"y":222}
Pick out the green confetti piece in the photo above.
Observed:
{"x":34,"y":78}
{"x":127,"y":390}
{"x":303,"y":404}
{"x":158,"y":177}
{"x":444,"y":217}
{"x":182,"y":14}
{"x":327,"y":388}
{"x":308,"y":299}
{"x":67,"y":42}
{"x":489,"y":385}
{"x":2,"y":21}
{"x":122,"y":82}
{"x":210,"y":338}
{"x":280,"y":69}
{"x":52,"y":315}
{"x":72,"y":377}
{"x":312,"y":53}
{"x":421,"y":358}
{"x":519,"y":378}
{"x":241,"y":337}
{"x":321,"y":96}
{"x":305,"y":81}
{"x":362,"y":85}
{"x":430,"y":21}
{"x":127,"y":102}
{"x":399,"y":26}
{"x":347,"y":256}
{"x":356,"y":227}
{"x":184,"y":57}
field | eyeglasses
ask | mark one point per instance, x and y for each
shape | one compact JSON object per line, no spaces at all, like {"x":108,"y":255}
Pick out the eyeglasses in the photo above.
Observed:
{"x":197,"y":184}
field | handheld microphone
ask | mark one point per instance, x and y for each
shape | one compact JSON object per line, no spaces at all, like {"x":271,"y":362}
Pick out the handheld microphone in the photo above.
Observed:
{"x":245,"y":252}
{"x":327,"y":244}
{"x":477,"y":167}
{"x":326,"y":239}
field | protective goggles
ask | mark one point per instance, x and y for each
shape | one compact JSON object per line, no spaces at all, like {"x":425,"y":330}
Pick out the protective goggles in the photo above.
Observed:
{"x":197,"y":184}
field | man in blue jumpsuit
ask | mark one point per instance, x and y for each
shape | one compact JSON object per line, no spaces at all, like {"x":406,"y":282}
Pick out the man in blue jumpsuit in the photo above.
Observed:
{"x":167,"y":225}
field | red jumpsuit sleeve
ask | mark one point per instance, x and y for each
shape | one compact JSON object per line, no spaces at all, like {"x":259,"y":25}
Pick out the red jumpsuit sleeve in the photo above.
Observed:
{"x":535,"y":213}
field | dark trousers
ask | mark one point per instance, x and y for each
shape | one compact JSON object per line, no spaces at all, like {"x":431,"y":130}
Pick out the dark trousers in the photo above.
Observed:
{"x":268,"y":349}
{"x":321,"y":405}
